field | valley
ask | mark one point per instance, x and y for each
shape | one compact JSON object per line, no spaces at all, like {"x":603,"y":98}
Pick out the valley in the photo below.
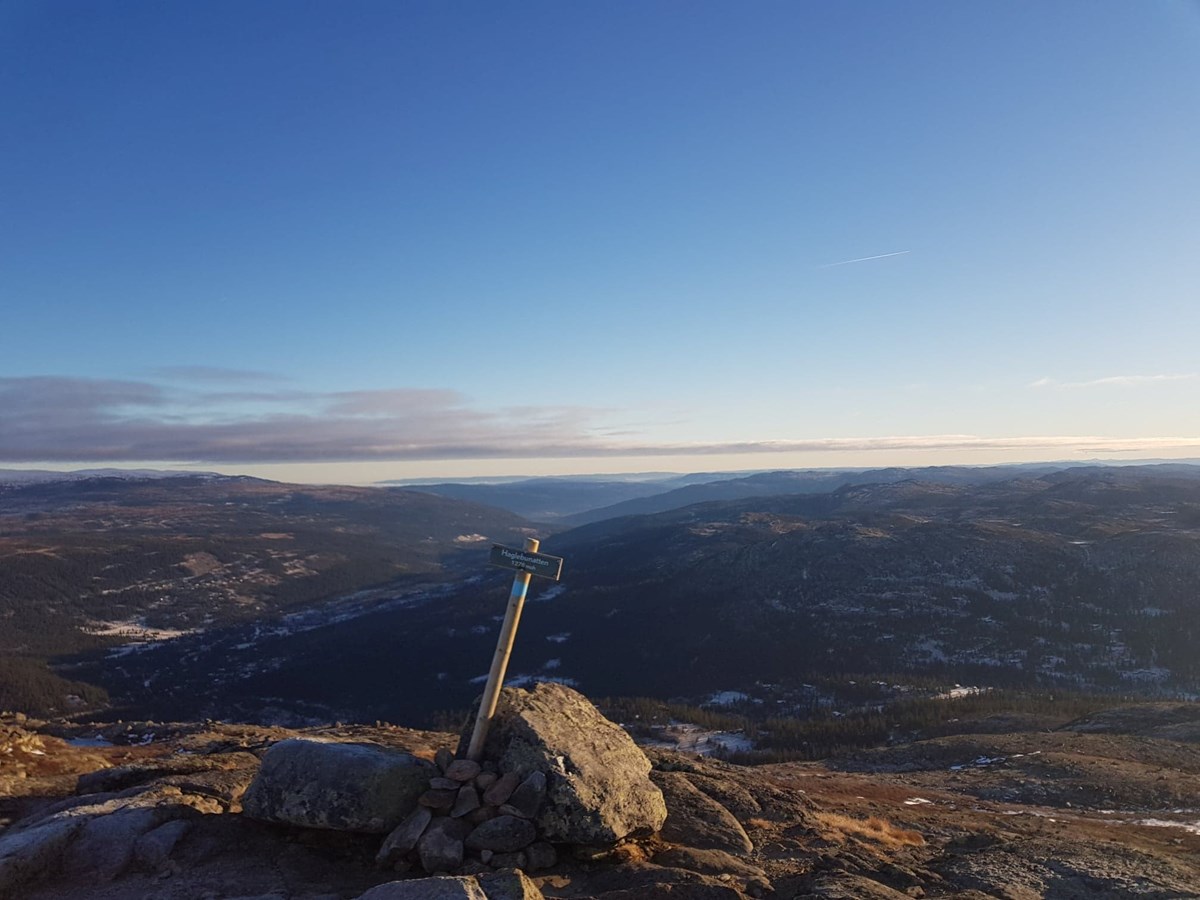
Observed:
{"x":1081,"y":579}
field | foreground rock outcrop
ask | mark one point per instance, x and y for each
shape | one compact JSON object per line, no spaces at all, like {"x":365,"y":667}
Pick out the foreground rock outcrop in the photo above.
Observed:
{"x":140,"y":811}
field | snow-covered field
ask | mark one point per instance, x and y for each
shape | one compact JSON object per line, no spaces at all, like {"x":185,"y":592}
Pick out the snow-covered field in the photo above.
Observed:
{"x":689,"y":738}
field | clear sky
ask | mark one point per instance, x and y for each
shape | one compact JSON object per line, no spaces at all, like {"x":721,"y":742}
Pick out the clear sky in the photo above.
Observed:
{"x":347,"y":241}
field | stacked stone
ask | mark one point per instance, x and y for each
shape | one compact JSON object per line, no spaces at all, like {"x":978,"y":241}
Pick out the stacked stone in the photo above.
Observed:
{"x":472,"y":819}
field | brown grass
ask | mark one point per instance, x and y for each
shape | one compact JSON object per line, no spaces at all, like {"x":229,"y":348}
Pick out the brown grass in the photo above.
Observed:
{"x":841,"y":828}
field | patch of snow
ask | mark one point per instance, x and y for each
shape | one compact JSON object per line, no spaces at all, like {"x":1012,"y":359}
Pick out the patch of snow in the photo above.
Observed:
{"x":96,"y":741}
{"x":690,"y":738}
{"x":525,"y":680}
{"x":1191,"y":827}
{"x":727,"y":698}
{"x":959,"y":691}
{"x":560,"y":638}
{"x":931,"y":650}
{"x":548,"y":594}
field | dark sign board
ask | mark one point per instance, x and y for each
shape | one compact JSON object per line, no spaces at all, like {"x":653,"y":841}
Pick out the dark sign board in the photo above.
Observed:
{"x":524,"y":561}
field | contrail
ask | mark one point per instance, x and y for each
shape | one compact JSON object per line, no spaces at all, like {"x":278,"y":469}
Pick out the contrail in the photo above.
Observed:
{"x":846,"y":262}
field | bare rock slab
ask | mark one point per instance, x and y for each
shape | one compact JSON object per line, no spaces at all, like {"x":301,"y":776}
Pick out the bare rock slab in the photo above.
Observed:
{"x":154,"y":848}
{"x":697,"y":820}
{"x":708,"y":862}
{"x":337,"y":786}
{"x":26,"y":855}
{"x":598,"y":789}
{"x":509,"y":885}
{"x":442,"y":888}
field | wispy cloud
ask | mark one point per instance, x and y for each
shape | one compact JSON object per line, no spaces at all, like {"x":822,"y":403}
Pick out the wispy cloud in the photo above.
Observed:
{"x":86,"y":420}
{"x":1115,"y":381}
{"x":217,"y":374}
{"x":846,"y":262}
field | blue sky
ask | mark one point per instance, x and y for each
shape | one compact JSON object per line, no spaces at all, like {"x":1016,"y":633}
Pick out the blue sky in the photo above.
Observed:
{"x":348,"y":241}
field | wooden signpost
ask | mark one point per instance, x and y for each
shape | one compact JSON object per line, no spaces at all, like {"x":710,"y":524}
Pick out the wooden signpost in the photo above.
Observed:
{"x":527,"y":562}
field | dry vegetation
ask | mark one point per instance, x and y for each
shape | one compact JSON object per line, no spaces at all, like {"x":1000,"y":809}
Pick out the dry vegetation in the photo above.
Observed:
{"x":839,"y":829}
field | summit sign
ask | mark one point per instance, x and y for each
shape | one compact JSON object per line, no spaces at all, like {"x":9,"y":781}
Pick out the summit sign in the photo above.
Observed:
{"x":539,"y":564}
{"x":527,"y":561}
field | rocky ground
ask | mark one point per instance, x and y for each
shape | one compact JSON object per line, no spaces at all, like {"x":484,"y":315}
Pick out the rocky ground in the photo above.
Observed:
{"x":1105,"y":807}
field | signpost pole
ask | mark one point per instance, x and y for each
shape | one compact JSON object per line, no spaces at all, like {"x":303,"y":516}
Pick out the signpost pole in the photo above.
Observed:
{"x":504,"y":645}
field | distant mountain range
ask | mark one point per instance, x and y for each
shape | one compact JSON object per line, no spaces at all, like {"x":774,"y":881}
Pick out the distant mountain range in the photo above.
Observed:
{"x":579,"y":501}
{"x":37,"y":476}
{"x":554,"y":499}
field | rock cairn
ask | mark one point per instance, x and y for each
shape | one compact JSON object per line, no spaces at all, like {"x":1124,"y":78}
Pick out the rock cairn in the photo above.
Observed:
{"x":555,"y":772}
{"x":472,"y":818}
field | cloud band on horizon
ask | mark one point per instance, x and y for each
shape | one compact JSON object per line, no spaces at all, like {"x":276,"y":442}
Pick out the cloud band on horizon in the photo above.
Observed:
{"x":61,"y":419}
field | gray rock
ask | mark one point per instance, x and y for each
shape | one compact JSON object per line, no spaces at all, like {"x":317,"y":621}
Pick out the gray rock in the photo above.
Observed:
{"x":444,"y":888}
{"x":501,"y":789}
{"x":485,"y":780}
{"x":339,"y":786}
{"x":404,"y":838}
{"x":732,"y":796}
{"x":696,"y":820}
{"x":481,"y":815}
{"x":540,"y":855}
{"x":439,"y":800}
{"x":442,"y":783}
{"x":443,"y":758}
{"x":643,"y":881}
{"x":597,"y":785}
{"x":155,"y":847}
{"x":679,"y":892}
{"x":441,"y":846}
{"x":847,"y":886}
{"x":527,"y":799}
{"x":94,"y":836}
{"x":467,"y":802}
{"x":503,"y":834}
{"x":708,"y":862}
{"x":463,"y":770}
{"x":515,"y":860}
{"x":511,"y":885}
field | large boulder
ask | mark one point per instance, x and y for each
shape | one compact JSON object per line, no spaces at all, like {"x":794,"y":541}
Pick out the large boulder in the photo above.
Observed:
{"x":598,"y":789}
{"x":338,"y":786}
